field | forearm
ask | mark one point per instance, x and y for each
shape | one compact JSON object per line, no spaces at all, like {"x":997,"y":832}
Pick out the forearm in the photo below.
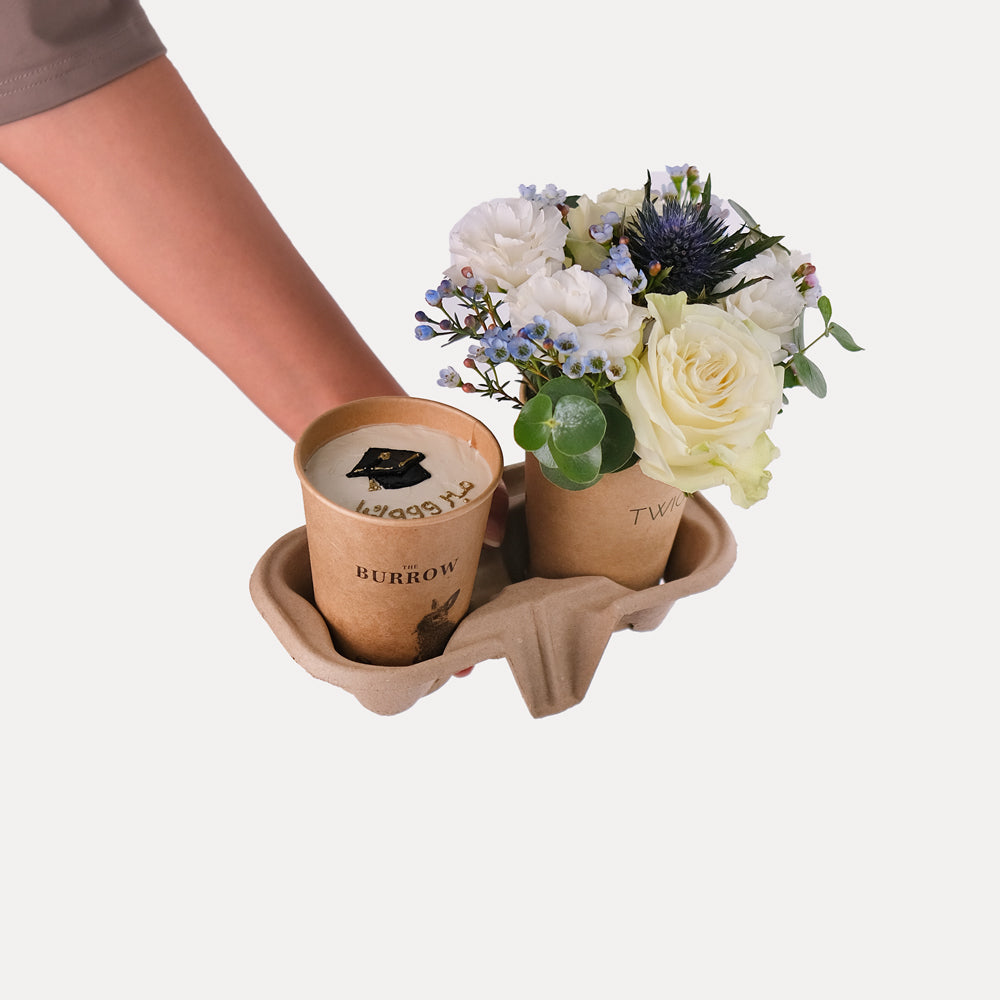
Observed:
{"x":140,"y":174}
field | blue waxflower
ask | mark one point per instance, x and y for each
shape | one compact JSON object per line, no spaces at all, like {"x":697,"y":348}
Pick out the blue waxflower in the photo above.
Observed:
{"x":567,"y":343}
{"x":521,"y":348}
{"x":637,"y":283}
{"x":433,"y":297}
{"x":604,"y":230}
{"x":595,"y":362}
{"x":601,"y":232}
{"x":450,"y":378}
{"x":496,"y":349}
{"x":616,"y":369}
{"x":424,"y":332}
{"x":549,"y":195}
{"x":620,"y":263}
{"x":542,"y":326}
{"x":573,"y":367}
{"x":446,"y":288}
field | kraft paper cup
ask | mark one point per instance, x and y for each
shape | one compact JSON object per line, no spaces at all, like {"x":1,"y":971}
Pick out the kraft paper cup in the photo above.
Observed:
{"x":622,"y":528}
{"x":393,"y":590}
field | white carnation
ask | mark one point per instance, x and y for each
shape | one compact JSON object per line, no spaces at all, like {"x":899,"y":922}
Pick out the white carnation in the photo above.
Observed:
{"x":506,"y":241}
{"x":597,"y":308}
{"x":774,"y":303}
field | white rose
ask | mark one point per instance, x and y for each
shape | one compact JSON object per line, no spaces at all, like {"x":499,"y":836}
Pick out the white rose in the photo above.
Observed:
{"x":701,"y":398}
{"x":505,"y":241}
{"x":598,"y":308}
{"x":586,"y":251}
{"x":775,"y":303}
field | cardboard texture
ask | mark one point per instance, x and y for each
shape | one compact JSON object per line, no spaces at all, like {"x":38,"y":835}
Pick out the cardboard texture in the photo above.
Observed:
{"x":552,"y":633}
{"x":393,"y":590}
{"x":629,"y":542}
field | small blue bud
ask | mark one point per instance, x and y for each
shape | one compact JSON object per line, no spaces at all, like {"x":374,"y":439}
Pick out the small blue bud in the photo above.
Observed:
{"x":424,"y":332}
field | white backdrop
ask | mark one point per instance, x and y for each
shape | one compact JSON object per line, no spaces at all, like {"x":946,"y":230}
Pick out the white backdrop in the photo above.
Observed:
{"x":789,"y":789}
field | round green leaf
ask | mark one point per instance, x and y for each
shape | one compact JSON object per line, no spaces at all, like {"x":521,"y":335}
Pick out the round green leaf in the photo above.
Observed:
{"x":556,"y":388}
{"x":578,"y":425}
{"x":533,"y":424}
{"x":584,"y":469}
{"x":619,"y":439}
{"x":554,"y":476}
{"x":544,"y":456}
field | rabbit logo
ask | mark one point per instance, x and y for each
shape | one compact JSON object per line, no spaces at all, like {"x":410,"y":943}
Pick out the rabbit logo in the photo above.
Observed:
{"x":434,"y":629}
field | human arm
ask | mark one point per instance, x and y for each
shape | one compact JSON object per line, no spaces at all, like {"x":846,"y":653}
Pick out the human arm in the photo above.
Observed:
{"x":138,"y":171}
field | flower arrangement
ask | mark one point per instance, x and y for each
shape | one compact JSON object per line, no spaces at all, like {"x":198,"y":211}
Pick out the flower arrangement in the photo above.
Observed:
{"x":658,"y":325}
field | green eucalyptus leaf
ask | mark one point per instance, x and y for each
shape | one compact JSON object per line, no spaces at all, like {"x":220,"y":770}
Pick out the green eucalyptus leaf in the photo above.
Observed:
{"x":791,"y":379}
{"x":578,"y":425}
{"x":554,"y":476}
{"x":825,"y":309}
{"x":618,"y":445}
{"x":809,"y":375}
{"x":545,"y":457}
{"x":842,"y":337}
{"x":583,"y":468}
{"x":556,"y":388}
{"x":798,"y":334}
{"x":533,"y":424}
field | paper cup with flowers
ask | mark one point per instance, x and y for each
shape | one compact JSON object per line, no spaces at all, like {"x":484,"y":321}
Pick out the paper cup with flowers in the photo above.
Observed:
{"x":650,"y":330}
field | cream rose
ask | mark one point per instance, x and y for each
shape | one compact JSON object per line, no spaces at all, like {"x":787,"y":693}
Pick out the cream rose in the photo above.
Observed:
{"x":701,"y":398}
{"x":505,"y":241}
{"x":597,"y":308}
{"x":584,"y":249}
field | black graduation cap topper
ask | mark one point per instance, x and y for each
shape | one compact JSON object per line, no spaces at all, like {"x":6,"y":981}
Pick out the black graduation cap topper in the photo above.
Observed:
{"x":390,"y":468}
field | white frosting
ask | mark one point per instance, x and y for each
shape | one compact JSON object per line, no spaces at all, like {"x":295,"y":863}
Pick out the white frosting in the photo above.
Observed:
{"x":458,"y":473}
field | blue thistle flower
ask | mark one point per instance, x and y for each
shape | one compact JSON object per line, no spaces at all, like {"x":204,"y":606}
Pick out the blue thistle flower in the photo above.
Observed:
{"x":685,"y":248}
{"x":689,"y":246}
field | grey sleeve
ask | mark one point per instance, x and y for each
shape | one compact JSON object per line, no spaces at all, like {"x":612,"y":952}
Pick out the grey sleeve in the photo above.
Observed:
{"x":52,"y":51}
